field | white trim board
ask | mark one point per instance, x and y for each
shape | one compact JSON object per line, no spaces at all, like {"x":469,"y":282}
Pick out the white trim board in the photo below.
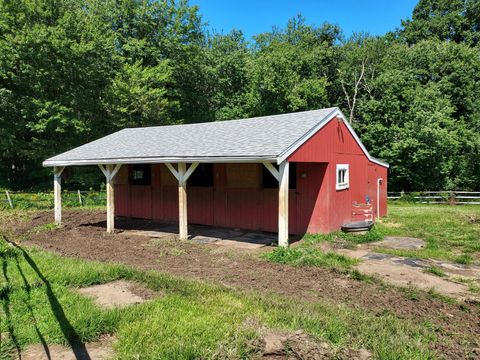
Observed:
{"x":158,"y":160}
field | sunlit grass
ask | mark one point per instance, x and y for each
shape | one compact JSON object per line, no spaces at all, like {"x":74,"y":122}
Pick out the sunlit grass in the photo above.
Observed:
{"x":188,"y":319}
{"x":450,"y":232}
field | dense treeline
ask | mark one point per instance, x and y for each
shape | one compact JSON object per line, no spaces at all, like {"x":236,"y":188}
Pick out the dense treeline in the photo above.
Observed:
{"x":74,"y":70}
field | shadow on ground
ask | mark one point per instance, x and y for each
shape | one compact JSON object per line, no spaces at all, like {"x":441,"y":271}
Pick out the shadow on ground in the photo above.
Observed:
{"x":73,"y":339}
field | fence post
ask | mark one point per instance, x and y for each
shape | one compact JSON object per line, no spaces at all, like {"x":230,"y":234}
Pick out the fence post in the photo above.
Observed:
{"x":9,"y":199}
{"x":453,"y":199}
{"x":80,"y":198}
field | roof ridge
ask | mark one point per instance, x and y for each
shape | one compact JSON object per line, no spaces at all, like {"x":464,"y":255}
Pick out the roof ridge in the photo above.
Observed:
{"x":233,"y":120}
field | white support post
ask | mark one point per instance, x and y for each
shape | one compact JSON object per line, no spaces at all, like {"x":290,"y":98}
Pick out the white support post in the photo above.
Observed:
{"x":110,"y":201}
{"x":57,"y":193}
{"x":110,"y":171}
{"x":80,"y":202}
{"x":182,"y":202}
{"x":182,"y":174}
{"x":283,"y":204}
{"x":9,"y":199}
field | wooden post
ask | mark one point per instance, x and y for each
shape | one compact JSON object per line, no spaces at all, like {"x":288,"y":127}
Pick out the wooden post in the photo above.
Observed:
{"x":80,"y":202}
{"x":182,"y":175}
{"x":283,"y":204}
{"x":9,"y":199}
{"x":57,"y":193}
{"x":110,"y":171}
{"x":110,"y":201}
{"x":182,"y":202}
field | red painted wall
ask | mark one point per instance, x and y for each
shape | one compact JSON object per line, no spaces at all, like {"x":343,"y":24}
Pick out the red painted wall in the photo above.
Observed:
{"x":223,"y":205}
{"x":334,"y":144}
{"x":237,"y":199}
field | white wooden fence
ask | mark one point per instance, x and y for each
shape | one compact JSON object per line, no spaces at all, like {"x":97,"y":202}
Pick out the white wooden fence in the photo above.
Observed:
{"x":438,"y":197}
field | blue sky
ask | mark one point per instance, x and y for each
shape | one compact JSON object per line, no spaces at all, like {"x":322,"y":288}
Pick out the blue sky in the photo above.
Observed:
{"x":255,"y":16}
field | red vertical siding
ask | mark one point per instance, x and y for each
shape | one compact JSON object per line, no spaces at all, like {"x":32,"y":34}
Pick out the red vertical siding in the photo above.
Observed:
{"x":156,"y":197}
{"x":141,"y":201}
{"x":200,"y":205}
{"x":376,"y":172}
{"x":122,"y":200}
{"x":219,"y":195}
{"x":313,"y":198}
{"x":334,"y":144}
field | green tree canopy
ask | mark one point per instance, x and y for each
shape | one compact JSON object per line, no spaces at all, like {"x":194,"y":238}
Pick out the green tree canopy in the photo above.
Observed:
{"x":72,"y":71}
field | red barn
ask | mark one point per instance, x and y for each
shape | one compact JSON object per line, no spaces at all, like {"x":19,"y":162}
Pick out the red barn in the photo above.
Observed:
{"x":296,"y":173}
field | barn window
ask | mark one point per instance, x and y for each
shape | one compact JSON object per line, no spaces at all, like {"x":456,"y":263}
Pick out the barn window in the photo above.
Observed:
{"x":342,"y":177}
{"x":269,"y":181}
{"x":140,"y":174}
{"x":202,"y":176}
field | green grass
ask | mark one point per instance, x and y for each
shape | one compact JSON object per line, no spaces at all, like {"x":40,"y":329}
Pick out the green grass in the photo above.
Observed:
{"x":188,"y":319}
{"x":45,"y":227}
{"x":309,"y":257}
{"x":451,"y":232}
{"x":435,"y":270}
{"x":44,"y":200}
{"x":314,"y":239}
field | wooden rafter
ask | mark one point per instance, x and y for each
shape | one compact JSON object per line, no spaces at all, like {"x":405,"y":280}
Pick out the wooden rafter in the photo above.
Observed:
{"x":273,"y":170}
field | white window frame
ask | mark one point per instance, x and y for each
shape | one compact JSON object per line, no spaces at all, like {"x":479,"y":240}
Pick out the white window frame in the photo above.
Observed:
{"x":346,"y":179}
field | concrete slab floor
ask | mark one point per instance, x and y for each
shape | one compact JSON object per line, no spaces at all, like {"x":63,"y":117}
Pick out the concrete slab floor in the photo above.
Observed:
{"x":201,"y":234}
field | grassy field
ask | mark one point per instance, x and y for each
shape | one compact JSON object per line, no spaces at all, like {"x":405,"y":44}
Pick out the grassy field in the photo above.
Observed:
{"x":44,"y":200}
{"x":187,"y":320}
{"x":451,"y":233}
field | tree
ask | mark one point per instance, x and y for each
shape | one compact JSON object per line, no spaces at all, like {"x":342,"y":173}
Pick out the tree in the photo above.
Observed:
{"x":358,"y":66}
{"x":418,"y":116}
{"x":73,"y":71}
{"x":292,"y":68}
{"x":446,"y":20}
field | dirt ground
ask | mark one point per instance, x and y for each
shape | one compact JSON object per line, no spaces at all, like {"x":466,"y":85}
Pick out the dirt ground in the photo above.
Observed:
{"x":100,"y":350}
{"x":117,"y":294}
{"x":83,"y":235}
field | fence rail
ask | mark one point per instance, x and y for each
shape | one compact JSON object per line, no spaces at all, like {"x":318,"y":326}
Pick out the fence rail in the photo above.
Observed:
{"x":437,"y":197}
{"x":44,"y":200}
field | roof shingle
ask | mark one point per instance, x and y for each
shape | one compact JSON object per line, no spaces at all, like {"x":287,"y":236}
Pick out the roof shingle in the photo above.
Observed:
{"x":260,"y":138}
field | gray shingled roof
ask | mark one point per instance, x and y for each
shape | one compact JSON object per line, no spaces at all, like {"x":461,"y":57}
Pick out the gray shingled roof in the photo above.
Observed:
{"x":255,"y":139}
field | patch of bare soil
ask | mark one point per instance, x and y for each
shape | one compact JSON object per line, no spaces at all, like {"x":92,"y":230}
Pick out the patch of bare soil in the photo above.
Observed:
{"x":118,"y":293}
{"x":405,"y":272}
{"x":83,"y":235}
{"x":99,"y":350}
{"x":300,"y":345}
{"x":400,"y":242}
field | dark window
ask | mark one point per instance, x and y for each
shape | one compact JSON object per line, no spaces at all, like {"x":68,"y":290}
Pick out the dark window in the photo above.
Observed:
{"x":140,"y":174}
{"x":202,"y":176}
{"x":269,"y":181}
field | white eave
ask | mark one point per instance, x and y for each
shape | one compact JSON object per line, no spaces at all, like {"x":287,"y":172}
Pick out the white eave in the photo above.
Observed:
{"x":158,"y":160}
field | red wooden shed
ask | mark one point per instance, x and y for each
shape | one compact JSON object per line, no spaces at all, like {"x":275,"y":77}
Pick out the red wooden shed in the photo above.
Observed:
{"x":304,"y":172}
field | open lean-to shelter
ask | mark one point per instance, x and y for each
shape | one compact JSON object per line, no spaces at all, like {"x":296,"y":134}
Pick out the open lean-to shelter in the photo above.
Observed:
{"x":303,"y":172}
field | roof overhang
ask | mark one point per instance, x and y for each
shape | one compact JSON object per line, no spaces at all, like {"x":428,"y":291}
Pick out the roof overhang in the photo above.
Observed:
{"x":229,"y":159}
{"x":159,"y":160}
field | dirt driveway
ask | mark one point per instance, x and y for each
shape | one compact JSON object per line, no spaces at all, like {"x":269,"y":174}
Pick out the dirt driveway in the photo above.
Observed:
{"x":83,"y":235}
